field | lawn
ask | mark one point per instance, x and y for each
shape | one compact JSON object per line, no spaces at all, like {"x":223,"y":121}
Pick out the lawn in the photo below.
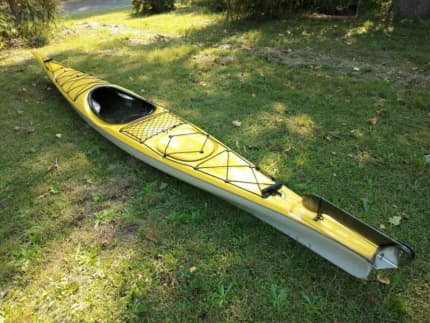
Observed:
{"x":88,"y":233}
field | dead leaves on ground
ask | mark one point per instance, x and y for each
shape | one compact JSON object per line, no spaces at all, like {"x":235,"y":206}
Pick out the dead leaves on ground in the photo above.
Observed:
{"x":395,"y":220}
{"x":372,"y":121}
{"x":53,"y":167}
{"x":29,"y":129}
{"x":383,"y":280}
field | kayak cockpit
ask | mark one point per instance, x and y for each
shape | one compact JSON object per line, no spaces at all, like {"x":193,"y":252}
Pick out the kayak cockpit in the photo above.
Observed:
{"x":117,"y":106}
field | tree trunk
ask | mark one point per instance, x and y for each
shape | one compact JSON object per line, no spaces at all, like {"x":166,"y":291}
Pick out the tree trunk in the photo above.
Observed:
{"x":13,"y":5}
{"x":411,"y":9}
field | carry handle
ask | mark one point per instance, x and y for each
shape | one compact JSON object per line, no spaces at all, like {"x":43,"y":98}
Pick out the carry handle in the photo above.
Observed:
{"x":272,"y":189}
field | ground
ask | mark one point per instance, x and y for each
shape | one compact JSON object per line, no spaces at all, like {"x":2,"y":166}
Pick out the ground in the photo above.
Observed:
{"x":74,"y":6}
{"x":88,"y":233}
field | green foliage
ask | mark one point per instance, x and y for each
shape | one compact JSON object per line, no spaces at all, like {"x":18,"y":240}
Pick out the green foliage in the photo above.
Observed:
{"x":276,"y":8}
{"x":27,"y":19}
{"x":211,"y":5}
{"x":221,"y":296}
{"x":7,"y":25}
{"x":278,"y":297}
{"x":153,"y":6}
{"x":104,"y":216}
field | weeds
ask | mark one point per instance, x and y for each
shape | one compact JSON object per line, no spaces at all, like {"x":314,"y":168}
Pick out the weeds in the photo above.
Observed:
{"x":221,"y":296}
{"x":278,"y":296}
{"x":103,"y":237}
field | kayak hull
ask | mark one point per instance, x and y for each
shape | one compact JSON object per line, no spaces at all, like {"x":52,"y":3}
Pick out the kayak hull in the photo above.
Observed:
{"x":176,"y":147}
{"x":327,"y":248}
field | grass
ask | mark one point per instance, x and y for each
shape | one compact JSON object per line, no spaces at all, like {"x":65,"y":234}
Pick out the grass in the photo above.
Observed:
{"x":87,"y":233}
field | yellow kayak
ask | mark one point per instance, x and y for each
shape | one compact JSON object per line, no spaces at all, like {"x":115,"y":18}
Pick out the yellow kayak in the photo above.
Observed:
{"x":177,"y":147}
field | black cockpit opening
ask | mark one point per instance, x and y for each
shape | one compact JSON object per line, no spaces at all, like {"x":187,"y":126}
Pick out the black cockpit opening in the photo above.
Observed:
{"x":116,"y":106}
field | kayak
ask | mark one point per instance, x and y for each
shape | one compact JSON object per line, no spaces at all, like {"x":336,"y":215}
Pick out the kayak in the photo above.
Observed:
{"x":179,"y":148}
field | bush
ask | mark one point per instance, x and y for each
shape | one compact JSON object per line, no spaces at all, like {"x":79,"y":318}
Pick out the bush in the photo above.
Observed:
{"x":7,"y":25}
{"x":211,"y":5}
{"x":153,"y":6}
{"x":276,"y":8}
{"x":30,"y":20}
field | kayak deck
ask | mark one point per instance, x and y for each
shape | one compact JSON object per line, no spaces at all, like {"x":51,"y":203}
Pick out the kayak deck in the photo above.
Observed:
{"x":174,"y":139}
{"x":181,"y":149}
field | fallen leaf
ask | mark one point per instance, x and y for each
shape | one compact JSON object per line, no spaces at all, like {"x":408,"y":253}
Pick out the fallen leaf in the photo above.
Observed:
{"x":236,"y":123}
{"x":53,"y":167}
{"x":357,"y":133}
{"x":395,"y":220}
{"x":288,"y":150}
{"x":382,"y":226}
{"x":42,"y":196}
{"x":383,"y":280}
{"x":4,"y":293}
{"x":373,"y":121}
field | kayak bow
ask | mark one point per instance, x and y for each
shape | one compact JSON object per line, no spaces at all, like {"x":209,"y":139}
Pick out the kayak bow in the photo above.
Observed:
{"x":175,"y":146}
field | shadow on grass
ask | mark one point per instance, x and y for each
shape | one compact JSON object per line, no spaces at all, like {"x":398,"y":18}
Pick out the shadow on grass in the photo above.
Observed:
{"x":182,"y":247}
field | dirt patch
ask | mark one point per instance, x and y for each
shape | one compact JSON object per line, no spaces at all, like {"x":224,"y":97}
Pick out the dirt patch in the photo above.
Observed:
{"x":399,"y":72}
{"x":74,"y":6}
{"x":114,"y":29}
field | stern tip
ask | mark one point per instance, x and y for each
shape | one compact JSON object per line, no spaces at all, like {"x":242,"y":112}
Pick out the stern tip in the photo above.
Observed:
{"x":393,"y":256}
{"x":40,"y":58}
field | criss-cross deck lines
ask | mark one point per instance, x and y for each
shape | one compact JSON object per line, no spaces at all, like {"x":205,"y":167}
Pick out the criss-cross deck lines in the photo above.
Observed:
{"x":229,"y":167}
{"x":74,"y":83}
{"x":144,"y":129}
{"x":201,"y":135}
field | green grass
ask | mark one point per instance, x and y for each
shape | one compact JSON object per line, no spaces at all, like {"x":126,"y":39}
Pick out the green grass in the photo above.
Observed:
{"x":87,"y":233}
